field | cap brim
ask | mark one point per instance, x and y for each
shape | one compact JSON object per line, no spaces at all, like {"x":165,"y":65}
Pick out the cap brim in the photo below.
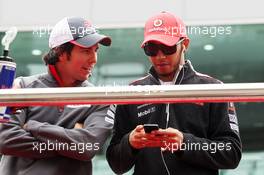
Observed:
{"x":92,"y":39}
{"x":163,"y":39}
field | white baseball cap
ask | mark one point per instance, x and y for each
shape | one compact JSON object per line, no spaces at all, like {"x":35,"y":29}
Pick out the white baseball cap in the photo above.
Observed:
{"x":78,"y":31}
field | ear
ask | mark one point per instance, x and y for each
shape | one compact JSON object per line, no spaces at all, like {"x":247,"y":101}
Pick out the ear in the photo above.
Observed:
{"x":63,"y":57}
{"x":186,"y":43}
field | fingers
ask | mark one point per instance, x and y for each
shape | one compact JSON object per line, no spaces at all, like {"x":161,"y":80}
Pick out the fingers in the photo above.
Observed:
{"x":139,"y":128}
{"x":25,"y":126}
{"x":136,"y":137}
{"x":142,"y":142}
{"x":78,"y":126}
{"x":169,"y":132}
{"x":169,"y":136}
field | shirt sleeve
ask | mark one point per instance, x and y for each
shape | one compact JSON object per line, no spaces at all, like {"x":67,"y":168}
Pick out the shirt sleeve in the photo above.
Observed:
{"x":120,"y":155}
{"x":16,"y":141}
{"x":81,"y":144}
{"x":222,"y":149}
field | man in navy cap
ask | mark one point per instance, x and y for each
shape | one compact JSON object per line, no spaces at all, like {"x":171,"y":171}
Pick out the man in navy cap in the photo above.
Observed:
{"x":59,"y":140}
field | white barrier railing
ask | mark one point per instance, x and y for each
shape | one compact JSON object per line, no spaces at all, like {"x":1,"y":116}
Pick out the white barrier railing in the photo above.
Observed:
{"x":237,"y":92}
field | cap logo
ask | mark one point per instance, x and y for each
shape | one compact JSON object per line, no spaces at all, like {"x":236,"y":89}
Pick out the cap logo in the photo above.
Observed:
{"x":157,"y":22}
{"x":86,"y":24}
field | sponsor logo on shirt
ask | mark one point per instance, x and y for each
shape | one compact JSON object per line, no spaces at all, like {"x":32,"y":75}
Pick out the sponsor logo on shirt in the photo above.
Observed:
{"x":146,"y":111}
{"x":232,"y":117}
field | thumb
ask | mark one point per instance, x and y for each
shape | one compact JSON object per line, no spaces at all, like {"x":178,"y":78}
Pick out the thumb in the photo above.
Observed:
{"x":139,"y":128}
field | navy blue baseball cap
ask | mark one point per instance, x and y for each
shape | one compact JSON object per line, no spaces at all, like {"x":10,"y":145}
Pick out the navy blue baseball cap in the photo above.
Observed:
{"x":78,"y":31}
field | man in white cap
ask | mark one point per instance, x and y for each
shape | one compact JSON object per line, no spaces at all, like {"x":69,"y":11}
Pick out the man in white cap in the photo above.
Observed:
{"x":59,"y":140}
{"x":187,"y":138}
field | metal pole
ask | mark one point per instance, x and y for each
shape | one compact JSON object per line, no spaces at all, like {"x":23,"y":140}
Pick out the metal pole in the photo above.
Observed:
{"x":237,"y":92}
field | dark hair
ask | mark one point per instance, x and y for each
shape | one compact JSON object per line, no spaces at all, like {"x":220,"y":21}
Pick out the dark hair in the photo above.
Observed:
{"x":52,"y":57}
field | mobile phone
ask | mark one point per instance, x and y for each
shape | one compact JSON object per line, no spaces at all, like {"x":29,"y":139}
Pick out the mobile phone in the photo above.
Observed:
{"x":150,"y":127}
